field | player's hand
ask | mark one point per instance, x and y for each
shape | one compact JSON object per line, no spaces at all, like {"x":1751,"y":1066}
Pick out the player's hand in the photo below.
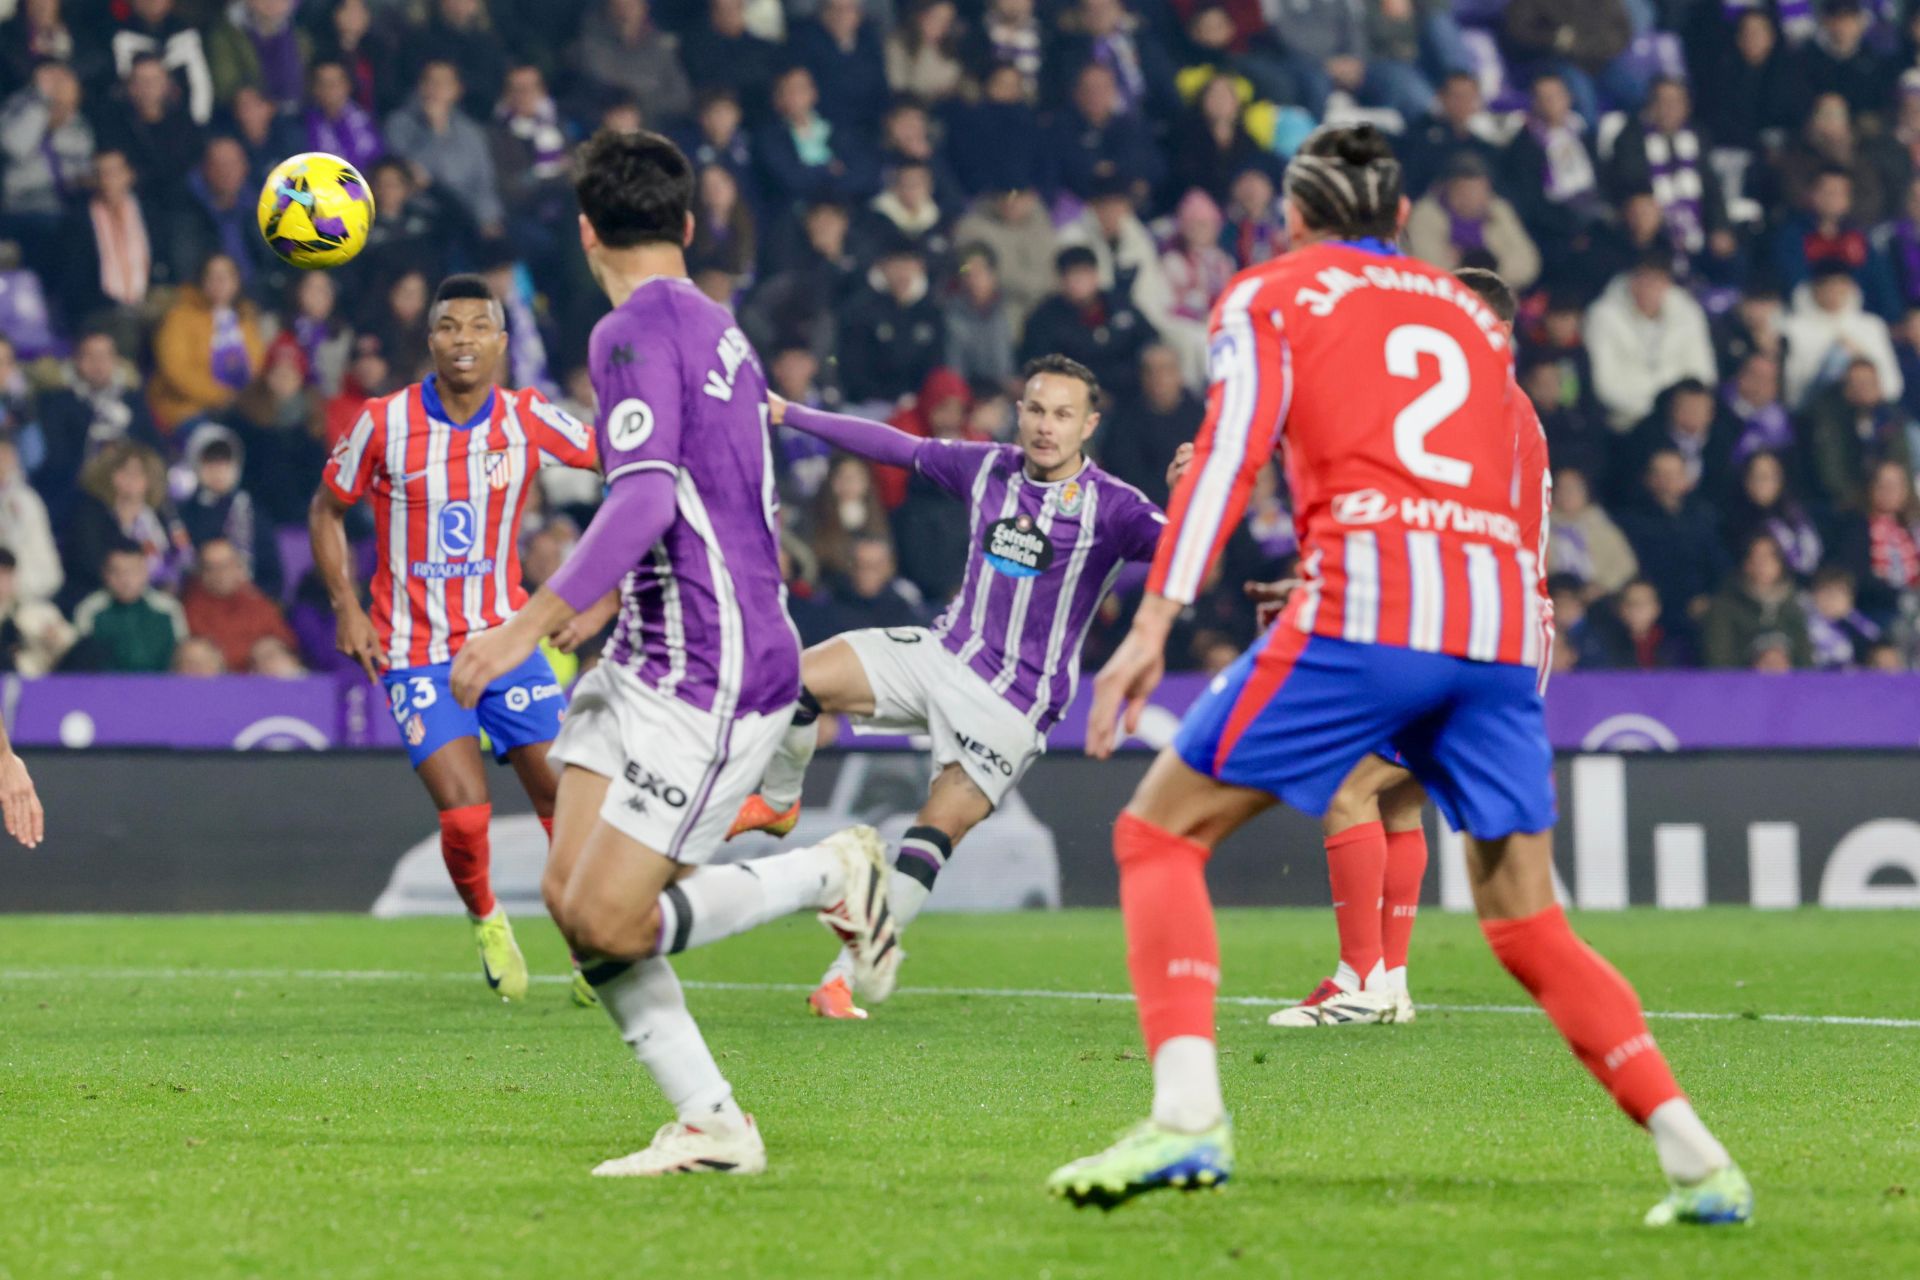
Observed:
{"x":26,"y":820}
{"x":776,"y":409}
{"x":582,"y":627}
{"x":1182,"y":459}
{"x":354,"y":636}
{"x":1125,"y":683}
{"x":486,"y":657}
{"x":1269,"y":598}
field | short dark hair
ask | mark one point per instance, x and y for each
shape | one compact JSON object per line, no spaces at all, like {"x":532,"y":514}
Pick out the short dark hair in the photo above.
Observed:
{"x":1066,"y":367}
{"x":1491,"y":290}
{"x":1569,"y":583}
{"x":1344,"y":180}
{"x":123,"y":547}
{"x":218,"y":450}
{"x":465,"y":285}
{"x":634,"y":188}
{"x":1074,"y":255}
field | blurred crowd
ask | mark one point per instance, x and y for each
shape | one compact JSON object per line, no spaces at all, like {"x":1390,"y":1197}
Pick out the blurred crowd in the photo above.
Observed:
{"x":1710,"y":208}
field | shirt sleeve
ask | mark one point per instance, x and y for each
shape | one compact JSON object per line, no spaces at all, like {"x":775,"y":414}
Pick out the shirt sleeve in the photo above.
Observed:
{"x":1138,"y":525}
{"x":349,"y":468}
{"x":1251,"y":367}
{"x":559,"y":434}
{"x":954,"y":465}
{"x":638,"y":382}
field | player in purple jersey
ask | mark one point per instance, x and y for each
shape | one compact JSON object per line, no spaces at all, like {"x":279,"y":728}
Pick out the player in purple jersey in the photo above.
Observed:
{"x":1050,"y":532}
{"x":672,"y":730}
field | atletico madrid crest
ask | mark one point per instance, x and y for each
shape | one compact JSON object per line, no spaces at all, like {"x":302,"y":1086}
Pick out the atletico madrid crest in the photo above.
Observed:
{"x":416,"y":730}
{"x":499,"y":469}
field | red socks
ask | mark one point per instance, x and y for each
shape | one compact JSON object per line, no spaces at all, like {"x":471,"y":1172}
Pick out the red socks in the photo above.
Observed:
{"x":1356,"y":867}
{"x":463,"y":843}
{"x":1172,"y":950}
{"x":1406,"y":868}
{"x":1592,"y":1005}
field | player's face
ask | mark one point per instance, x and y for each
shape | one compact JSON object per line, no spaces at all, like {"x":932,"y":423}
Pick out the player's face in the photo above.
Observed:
{"x":1056,"y":417}
{"x":467,"y":342}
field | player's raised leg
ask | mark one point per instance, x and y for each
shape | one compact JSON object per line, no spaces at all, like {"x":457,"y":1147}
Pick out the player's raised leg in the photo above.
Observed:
{"x":1161,"y":843}
{"x":625,"y":907}
{"x":832,"y":682}
{"x":456,"y":779}
{"x":955,"y":805}
{"x":1598,"y":1013}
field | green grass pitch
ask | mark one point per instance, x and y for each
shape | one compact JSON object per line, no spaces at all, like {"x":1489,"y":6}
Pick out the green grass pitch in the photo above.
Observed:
{"x":338,"y":1097}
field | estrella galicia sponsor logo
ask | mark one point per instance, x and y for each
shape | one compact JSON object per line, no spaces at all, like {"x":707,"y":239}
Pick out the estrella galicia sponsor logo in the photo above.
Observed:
{"x":457,"y":569}
{"x":1017,"y":548}
{"x":985,"y":754}
{"x":1362,"y":506}
{"x":649,"y":783}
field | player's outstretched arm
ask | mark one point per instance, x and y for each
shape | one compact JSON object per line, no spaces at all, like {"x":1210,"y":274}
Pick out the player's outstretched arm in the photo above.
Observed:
{"x":875,"y":441}
{"x":26,"y":821}
{"x":1121,"y":690}
{"x":638,"y":509}
{"x":353,"y":630}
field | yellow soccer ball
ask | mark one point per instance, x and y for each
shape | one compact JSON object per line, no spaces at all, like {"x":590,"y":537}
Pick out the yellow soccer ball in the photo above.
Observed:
{"x":315,"y":211}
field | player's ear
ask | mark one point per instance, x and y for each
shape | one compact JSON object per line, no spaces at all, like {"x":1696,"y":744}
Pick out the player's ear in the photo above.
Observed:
{"x":686,"y":237}
{"x":588,"y":240}
{"x":1400,"y":216}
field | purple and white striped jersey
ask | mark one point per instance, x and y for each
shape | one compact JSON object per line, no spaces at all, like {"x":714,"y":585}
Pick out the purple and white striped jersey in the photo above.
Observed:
{"x":703,"y":618}
{"x":1041,"y":558}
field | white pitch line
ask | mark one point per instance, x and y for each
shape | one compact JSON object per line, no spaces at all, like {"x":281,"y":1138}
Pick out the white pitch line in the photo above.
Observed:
{"x":800,"y":988}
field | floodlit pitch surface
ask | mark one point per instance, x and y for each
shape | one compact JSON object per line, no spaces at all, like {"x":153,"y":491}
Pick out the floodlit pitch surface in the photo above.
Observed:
{"x":338,"y":1097}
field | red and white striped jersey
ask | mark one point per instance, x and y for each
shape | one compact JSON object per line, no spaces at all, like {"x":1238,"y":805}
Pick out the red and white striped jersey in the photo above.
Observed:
{"x":447,"y":500}
{"x":1533,"y":490}
{"x":1388,"y":383}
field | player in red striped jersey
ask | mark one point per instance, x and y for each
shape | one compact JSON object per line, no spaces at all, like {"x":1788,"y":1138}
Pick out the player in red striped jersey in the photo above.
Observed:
{"x":1387,"y":381}
{"x":448,"y":464}
{"x":1376,"y":846}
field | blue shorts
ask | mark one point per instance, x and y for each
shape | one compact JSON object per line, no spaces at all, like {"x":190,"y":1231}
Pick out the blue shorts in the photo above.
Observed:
{"x":1295,"y":713}
{"x":523,"y":706}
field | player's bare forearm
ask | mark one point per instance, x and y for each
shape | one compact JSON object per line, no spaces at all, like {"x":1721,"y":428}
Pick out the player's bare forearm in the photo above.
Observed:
{"x":19,"y":802}
{"x":1155,"y":617}
{"x":327,"y":532}
{"x":544,"y":614}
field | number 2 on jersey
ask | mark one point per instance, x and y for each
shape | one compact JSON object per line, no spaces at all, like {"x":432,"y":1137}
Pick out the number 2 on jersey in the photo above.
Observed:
{"x":1413,"y":424}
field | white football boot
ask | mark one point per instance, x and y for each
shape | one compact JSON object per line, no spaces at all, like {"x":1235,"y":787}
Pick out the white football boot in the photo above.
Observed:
{"x":684,"y":1148}
{"x":862,"y":920}
{"x":1332,"y":1005}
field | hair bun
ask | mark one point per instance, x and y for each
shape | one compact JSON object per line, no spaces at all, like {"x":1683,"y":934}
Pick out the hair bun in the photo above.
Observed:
{"x":1361,"y":144}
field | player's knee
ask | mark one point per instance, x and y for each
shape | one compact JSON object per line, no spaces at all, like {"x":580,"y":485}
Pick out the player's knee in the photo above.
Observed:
{"x":611,"y":929}
{"x":1349,"y":808}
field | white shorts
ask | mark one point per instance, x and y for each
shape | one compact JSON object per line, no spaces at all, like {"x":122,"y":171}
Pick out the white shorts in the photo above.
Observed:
{"x":920,"y":687}
{"x":679,"y":774}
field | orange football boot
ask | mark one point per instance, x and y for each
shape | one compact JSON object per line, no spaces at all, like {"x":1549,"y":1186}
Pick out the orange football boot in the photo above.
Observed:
{"x":757,"y":815}
{"x":834,"y":999}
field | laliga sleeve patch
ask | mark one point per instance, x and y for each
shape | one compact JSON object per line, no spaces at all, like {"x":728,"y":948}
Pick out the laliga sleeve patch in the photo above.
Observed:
{"x":629,"y":425}
{"x":1017,"y":548}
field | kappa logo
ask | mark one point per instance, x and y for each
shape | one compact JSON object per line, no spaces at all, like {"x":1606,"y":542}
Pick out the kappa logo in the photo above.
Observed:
{"x":1362,"y":506}
{"x":648,"y":783}
{"x":985,"y":754}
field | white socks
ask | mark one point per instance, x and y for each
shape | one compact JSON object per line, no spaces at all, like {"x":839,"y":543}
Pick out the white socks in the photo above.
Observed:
{"x":1186,"y":1085}
{"x":646,"y":1003}
{"x":780,"y":785}
{"x":1687,"y":1151}
{"x":718,"y":902}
